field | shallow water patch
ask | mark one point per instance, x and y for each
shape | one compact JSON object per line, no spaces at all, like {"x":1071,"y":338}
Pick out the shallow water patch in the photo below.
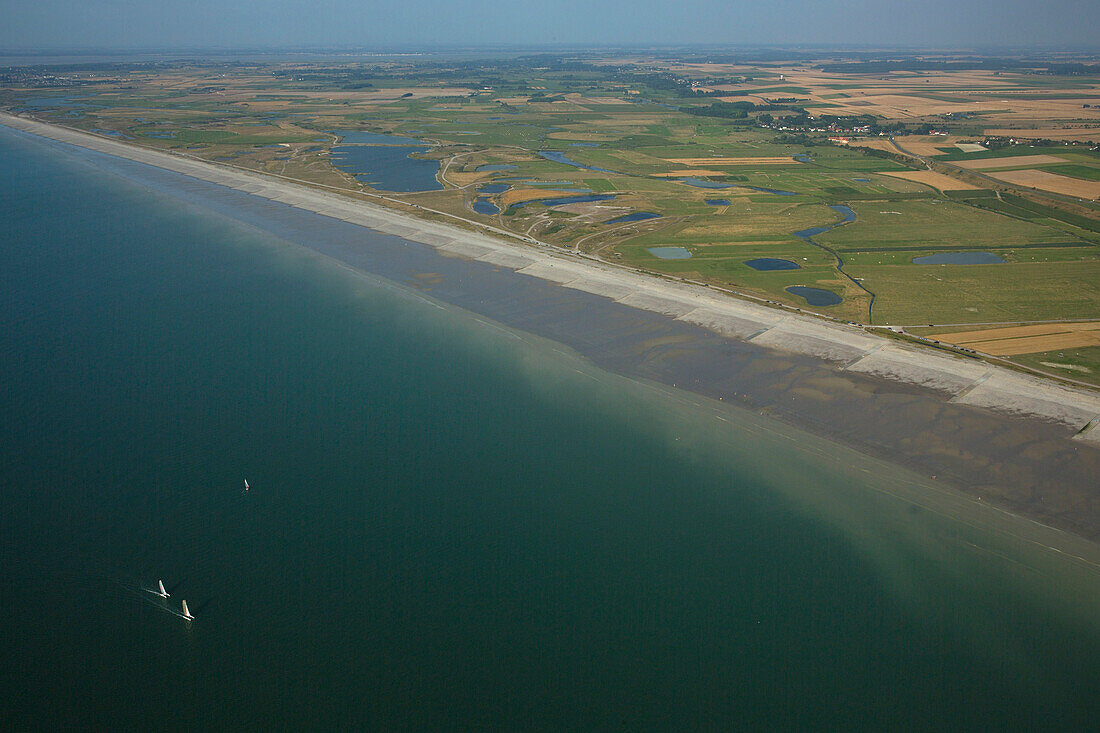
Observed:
{"x":669,"y":253}
{"x":558,"y":156}
{"x":561,"y":201}
{"x":636,"y":216}
{"x":484,"y":206}
{"x":388,"y":167}
{"x":959,"y":258}
{"x":814,"y":296}
{"x":772,"y":263}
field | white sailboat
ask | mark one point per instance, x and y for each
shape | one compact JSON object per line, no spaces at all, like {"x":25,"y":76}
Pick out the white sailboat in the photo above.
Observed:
{"x":246,"y":484}
{"x":160,"y":591}
{"x":187,"y":613}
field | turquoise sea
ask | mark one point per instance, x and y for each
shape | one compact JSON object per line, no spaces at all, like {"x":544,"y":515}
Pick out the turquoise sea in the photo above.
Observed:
{"x":451,"y":525}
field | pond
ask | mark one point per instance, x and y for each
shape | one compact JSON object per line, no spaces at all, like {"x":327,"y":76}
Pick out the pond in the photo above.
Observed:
{"x":561,"y":201}
{"x":636,"y":216}
{"x":776,"y":191}
{"x":703,"y":183}
{"x":495,"y":188}
{"x":558,"y":156}
{"x":862,"y":180}
{"x":959,"y":258}
{"x":485,"y":206}
{"x":815,"y":296}
{"x":772,"y":263}
{"x":718,"y":202}
{"x":388,"y":168}
{"x":496,"y":167}
{"x":584,"y":145}
{"x":669,"y":253}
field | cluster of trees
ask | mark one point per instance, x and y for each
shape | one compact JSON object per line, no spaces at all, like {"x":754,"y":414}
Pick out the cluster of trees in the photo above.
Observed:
{"x":994,"y":143}
{"x":725,"y":110}
{"x":541,"y":96}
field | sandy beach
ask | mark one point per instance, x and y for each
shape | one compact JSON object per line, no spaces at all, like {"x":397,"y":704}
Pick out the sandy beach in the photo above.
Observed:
{"x":1027,"y":444}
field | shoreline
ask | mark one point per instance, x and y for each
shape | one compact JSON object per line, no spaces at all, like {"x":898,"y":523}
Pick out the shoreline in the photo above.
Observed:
{"x":855,"y":348}
{"x":1023,"y":444}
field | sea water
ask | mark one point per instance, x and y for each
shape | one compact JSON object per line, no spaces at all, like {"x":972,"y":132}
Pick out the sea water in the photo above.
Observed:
{"x":451,"y":524}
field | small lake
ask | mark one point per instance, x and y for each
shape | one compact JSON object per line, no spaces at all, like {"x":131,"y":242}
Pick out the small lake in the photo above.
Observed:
{"x":776,"y":191}
{"x":959,"y":258}
{"x":496,"y":167}
{"x":862,"y":180}
{"x":772,"y":263}
{"x":388,"y":168}
{"x":495,"y":188}
{"x":636,"y":216}
{"x":584,"y":145}
{"x":814,"y":296}
{"x":703,"y":183}
{"x":669,"y":253}
{"x":484,"y":206}
{"x":558,"y":156}
{"x":802,"y":158}
{"x":718,"y":202}
{"x":568,"y":200}
{"x":361,"y":137}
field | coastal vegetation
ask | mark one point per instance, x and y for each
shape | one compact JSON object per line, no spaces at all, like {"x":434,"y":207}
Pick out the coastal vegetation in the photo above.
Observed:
{"x":616,"y":156}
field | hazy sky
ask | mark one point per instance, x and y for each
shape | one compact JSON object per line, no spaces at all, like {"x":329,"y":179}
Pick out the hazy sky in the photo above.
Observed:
{"x":274,"y":23}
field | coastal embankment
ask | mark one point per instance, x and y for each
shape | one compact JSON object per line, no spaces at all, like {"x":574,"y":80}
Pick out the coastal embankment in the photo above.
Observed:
{"x":1020,"y":442}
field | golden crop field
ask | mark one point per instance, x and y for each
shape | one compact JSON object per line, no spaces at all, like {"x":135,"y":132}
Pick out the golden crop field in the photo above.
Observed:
{"x":1010,"y":162}
{"x":1052,"y":182}
{"x":933,"y":179}
{"x":1032,"y":339}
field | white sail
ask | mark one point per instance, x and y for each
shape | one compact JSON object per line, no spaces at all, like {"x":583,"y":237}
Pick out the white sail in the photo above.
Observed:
{"x":246,"y":484}
{"x":163,"y":593}
{"x":187,"y":613}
